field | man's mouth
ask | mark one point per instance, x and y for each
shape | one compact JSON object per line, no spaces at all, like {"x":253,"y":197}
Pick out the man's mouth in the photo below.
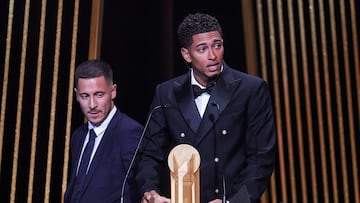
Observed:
{"x":213,"y":67}
{"x":93,"y":114}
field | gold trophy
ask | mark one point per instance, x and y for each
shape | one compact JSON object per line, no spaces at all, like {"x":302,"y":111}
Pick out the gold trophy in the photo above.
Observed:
{"x":184,"y":163}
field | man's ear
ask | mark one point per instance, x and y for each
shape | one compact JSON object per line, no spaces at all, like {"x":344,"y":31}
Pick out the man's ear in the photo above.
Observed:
{"x":186,"y":55}
{"x":113,"y":91}
{"x":76,"y":95}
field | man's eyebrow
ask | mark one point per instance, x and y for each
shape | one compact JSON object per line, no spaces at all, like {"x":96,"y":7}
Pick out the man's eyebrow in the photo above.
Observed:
{"x":201,"y":44}
{"x":204,"y":43}
{"x":100,"y":91}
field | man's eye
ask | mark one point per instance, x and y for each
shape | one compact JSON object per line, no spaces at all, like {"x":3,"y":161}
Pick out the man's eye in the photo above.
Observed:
{"x":100,"y":94}
{"x":202,"y":49}
{"x":84,"y":96}
{"x":218,"y":46}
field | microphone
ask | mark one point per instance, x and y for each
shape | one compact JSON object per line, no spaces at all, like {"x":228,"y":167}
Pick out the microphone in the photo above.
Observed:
{"x":216,"y":105}
{"x":212,"y":116}
{"x":137,"y":149}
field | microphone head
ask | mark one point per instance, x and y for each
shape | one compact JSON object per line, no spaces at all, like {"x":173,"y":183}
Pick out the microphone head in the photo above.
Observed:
{"x":165,"y":105}
{"x":216,"y":105}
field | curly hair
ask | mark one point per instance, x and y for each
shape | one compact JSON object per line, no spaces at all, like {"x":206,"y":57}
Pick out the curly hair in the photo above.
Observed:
{"x":93,"y":69}
{"x":195,"y":24}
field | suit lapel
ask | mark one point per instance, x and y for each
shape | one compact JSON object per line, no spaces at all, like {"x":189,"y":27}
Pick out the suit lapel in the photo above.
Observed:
{"x":77,"y":147}
{"x":101,"y":150}
{"x":219,"y":99}
{"x":186,"y":103}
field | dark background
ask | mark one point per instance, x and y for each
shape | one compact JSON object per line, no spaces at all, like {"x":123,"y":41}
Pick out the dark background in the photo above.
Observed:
{"x":140,"y":42}
{"x":315,"y":92}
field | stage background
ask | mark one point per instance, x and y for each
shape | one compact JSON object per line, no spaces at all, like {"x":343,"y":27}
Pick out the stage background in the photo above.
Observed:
{"x":308,"y":52}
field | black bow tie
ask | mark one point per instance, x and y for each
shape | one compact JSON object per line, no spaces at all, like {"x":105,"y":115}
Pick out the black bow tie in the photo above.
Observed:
{"x":198,"y":90}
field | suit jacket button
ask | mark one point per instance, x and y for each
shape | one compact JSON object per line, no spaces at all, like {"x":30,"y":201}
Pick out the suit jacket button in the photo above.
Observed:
{"x":216,"y":190}
{"x":182,"y":134}
{"x":216,"y":159}
{"x":224,"y":132}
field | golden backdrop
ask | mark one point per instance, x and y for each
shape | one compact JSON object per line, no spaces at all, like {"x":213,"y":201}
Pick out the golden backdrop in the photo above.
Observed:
{"x":308,"y":51}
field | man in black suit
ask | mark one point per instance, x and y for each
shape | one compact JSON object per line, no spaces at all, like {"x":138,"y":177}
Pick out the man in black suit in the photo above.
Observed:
{"x":229,"y":121}
{"x":110,"y":150}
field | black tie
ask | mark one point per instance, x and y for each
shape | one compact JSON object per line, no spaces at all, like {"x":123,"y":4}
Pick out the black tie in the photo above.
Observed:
{"x":84,"y":166}
{"x":199,"y":91}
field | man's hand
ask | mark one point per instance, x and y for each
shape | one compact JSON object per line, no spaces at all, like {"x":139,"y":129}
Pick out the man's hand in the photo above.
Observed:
{"x":154,"y":197}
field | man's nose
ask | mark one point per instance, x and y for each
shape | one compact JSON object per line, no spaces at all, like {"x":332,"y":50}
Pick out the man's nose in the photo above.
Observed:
{"x":93,"y":102}
{"x":212,"y":54}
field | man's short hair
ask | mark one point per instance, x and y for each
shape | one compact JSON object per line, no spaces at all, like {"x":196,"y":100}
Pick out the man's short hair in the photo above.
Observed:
{"x":93,"y":69}
{"x":195,"y":24}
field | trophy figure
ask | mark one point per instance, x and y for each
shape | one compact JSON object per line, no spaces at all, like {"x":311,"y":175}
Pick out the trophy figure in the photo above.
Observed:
{"x":184,"y":162}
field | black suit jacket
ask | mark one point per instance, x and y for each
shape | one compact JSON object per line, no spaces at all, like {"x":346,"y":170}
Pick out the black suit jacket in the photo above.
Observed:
{"x":110,"y":163}
{"x":235,"y":138}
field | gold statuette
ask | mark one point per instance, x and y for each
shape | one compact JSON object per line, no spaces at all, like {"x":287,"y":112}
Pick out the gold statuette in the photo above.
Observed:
{"x":184,"y":162}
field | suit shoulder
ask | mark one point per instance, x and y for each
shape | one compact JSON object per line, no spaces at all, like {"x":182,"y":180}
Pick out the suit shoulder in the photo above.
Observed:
{"x":80,"y":129}
{"x":123,"y":119}
{"x":177,"y":79}
{"x":246,"y":77}
{"x":79,"y":134}
{"x":253,"y":78}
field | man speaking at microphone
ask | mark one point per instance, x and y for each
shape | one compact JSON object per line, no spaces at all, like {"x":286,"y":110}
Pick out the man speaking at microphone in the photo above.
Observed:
{"x":103,"y":147}
{"x":224,"y":113}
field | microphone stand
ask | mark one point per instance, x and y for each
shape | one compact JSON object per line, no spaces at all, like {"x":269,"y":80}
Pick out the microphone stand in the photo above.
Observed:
{"x":224,"y":190}
{"x":137,"y":149}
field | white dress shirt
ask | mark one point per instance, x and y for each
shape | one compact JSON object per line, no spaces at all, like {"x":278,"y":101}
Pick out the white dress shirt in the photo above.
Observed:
{"x":99,"y":131}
